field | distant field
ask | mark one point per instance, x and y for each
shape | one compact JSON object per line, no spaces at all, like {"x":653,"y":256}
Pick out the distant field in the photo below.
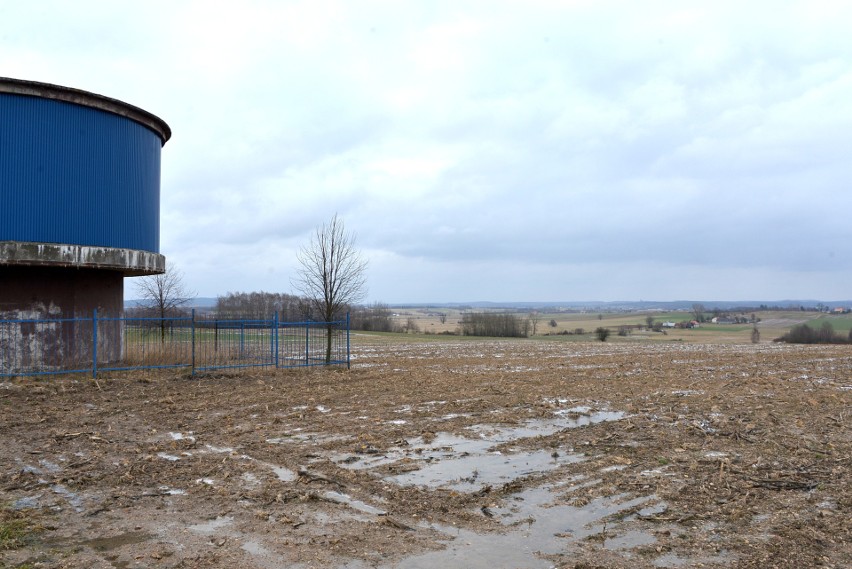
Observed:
{"x":772,"y":324}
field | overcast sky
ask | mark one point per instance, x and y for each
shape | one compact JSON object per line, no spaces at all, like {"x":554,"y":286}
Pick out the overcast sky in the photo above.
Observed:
{"x":496,"y":150}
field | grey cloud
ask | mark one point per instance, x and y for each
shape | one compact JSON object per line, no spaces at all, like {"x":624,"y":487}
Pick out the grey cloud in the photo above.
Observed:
{"x":567,"y":141}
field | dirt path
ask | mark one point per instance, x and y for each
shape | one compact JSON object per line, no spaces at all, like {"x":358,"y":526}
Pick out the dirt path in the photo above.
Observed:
{"x":448,"y":454}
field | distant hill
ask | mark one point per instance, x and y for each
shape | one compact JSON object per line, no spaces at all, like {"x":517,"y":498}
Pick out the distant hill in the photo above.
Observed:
{"x":637,"y":305}
{"x":586,"y":305}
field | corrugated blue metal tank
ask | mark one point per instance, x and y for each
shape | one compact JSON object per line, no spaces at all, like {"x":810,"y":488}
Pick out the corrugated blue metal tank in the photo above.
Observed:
{"x":78,"y":168}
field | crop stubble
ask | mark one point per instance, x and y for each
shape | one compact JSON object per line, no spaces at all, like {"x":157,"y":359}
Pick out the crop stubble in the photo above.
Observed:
{"x":743,"y":451}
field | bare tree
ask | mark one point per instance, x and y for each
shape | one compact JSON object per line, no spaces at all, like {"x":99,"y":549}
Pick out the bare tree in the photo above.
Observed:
{"x":161,"y":296}
{"x":755,"y":335}
{"x":534,"y":319}
{"x":332,"y":273}
{"x":411,"y":326}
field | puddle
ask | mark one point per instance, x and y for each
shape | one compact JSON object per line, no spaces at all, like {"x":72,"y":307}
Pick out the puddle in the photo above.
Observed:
{"x":255,"y":548}
{"x":628,"y":540}
{"x":110,"y":543}
{"x":536,"y":527}
{"x":181,"y":436}
{"x":545,"y":427}
{"x":212,"y":526}
{"x":654,"y":510}
{"x":26,"y":502}
{"x":50,"y":467}
{"x":451,"y":416}
{"x":535,"y":523}
{"x":468,"y":463}
{"x":354,"y":504}
{"x":251,"y":481}
{"x":264,"y":558}
{"x":469,"y":472}
{"x":313,"y":438}
{"x":28,"y":468}
{"x":283,"y":474}
{"x":72,"y":497}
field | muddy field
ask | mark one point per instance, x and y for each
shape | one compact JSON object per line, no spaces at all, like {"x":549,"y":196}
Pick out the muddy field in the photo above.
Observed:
{"x":476,"y":454}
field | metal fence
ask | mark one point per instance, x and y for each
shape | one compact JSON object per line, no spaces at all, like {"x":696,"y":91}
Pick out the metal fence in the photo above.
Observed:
{"x":74,"y":345}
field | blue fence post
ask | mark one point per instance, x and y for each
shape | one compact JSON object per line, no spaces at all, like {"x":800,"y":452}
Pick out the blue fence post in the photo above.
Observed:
{"x":95,"y":343}
{"x":348,"y":348}
{"x":275,"y":338}
{"x":242,"y":338}
{"x":193,"y":342}
{"x":307,"y":339}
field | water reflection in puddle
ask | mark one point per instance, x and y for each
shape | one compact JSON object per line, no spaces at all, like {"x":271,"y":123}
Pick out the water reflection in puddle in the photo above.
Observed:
{"x":479,"y":468}
{"x":536,"y":526}
{"x":114,"y":542}
{"x":535,"y":522}
{"x":468,"y":463}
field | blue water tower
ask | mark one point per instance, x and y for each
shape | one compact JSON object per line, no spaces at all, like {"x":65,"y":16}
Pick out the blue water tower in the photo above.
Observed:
{"x":79,"y":204}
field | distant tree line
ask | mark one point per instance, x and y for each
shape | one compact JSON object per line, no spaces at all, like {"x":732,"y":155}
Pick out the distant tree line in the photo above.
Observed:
{"x":291,"y":308}
{"x":262,"y":305}
{"x":375,"y":318}
{"x":804,"y":334}
{"x":495,"y":324}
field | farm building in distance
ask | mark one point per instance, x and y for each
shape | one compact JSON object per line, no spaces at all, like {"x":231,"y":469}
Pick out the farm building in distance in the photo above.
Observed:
{"x":79,"y":211}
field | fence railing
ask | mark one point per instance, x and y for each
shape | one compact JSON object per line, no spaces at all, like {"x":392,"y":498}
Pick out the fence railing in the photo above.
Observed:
{"x":96,"y":344}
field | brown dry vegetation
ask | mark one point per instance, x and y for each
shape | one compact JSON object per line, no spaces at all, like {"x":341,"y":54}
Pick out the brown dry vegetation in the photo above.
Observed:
{"x":725,"y":455}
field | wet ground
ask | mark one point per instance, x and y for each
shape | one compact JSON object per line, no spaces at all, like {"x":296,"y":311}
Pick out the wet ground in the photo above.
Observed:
{"x":492,"y":454}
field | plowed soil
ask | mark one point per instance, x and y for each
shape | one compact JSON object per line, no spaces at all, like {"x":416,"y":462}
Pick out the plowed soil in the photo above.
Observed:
{"x":454,"y":453}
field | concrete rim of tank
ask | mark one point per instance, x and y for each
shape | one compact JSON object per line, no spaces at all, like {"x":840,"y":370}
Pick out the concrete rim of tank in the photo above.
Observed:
{"x":130,"y":262}
{"x":87,"y":99}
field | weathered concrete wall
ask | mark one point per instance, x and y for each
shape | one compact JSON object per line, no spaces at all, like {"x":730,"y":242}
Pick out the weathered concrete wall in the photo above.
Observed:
{"x":61,"y":291}
{"x":55,"y":293}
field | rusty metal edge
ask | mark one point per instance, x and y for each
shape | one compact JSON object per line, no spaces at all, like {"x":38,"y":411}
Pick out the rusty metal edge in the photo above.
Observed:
{"x":85,"y":98}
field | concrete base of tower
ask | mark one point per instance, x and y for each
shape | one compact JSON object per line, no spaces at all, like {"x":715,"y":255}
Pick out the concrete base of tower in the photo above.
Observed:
{"x":49,"y":294}
{"x":128,"y":262}
{"x":46,"y":317}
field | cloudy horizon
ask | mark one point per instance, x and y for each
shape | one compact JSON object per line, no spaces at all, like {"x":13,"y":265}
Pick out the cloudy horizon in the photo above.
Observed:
{"x":484,"y":151}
